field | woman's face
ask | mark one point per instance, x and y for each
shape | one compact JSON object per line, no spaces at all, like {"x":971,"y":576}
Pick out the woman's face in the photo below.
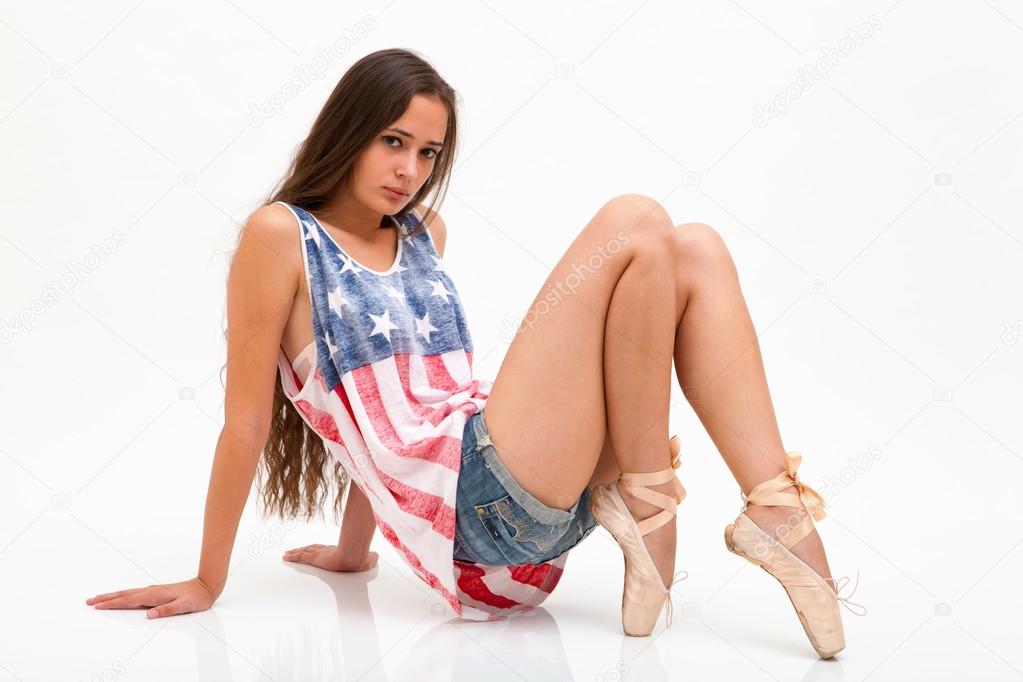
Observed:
{"x":401,"y":156}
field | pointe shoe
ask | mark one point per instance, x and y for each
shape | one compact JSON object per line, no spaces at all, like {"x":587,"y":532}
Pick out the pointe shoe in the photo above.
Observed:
{"x":815,"y":602}
{"x":644,"y":593}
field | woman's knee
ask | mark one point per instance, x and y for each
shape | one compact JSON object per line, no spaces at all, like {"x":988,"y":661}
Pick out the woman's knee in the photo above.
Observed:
{"x":639,"y":217}
{"x":698,"y":246}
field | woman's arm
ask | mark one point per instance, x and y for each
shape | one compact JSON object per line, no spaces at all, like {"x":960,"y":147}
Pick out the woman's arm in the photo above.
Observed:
{"x":261,"y":289}
{"x":262,"y":285}
{"x":234,"y":466}
{"x":357,"y":525}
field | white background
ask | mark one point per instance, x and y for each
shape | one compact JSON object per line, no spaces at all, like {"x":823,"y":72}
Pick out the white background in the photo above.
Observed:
{"x":876,"y":226}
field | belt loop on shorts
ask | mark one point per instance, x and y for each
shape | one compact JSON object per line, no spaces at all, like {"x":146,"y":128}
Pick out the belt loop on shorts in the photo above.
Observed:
{"x":481,"y":432}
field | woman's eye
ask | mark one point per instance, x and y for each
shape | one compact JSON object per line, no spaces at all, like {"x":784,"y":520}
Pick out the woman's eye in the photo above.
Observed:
{"x":387,"y":140}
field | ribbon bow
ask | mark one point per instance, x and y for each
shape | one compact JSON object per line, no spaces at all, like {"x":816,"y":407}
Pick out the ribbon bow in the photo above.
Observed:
{"x":811,"y":499}
{"x":841,"y":583}
{"x":675,"y":446}
{"x":668,"y":610}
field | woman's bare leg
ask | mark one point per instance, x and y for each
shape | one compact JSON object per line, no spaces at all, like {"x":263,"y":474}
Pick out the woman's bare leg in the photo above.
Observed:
{"x":721,"y":372}
{"x":592,"y":362}
{"x":639,"y":339}
{"x":720,"y":369}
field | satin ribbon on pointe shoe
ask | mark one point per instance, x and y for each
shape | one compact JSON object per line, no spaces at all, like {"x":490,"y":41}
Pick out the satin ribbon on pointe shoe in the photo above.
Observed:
{"x":668,"y":609}
{"x":811,"y":499}
{"x":846,"y":602}
{"x":769,"y":492}
{"x":818,"y":613}
{"x":675,"y":446}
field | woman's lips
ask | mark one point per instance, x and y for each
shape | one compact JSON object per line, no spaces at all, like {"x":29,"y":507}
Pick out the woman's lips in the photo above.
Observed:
{"x":395,"y":194}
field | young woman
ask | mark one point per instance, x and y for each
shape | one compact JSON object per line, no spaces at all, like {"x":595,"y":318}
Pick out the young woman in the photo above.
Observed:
{"x":348,"y":350}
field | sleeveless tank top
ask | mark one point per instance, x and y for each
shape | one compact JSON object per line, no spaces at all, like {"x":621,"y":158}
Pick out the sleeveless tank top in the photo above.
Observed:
{"x":388,"y":385}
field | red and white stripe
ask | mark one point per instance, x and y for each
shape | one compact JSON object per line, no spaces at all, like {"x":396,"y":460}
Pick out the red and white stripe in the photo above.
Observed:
{"x":396,"y":426}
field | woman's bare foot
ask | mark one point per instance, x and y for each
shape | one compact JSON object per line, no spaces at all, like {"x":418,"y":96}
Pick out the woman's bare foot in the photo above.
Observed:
{"x":660,"y":542}
{"x":775,"y":521}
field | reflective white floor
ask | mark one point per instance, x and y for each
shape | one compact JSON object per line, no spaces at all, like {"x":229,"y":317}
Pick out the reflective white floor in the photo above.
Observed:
{"x":285,"y":622}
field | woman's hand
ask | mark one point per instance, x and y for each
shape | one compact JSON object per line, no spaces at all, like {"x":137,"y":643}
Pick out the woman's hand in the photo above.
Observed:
{"x":331,"y":558}
{"x":161,"y":600}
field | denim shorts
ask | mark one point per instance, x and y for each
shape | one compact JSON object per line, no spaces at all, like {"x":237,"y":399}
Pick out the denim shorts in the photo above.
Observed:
{"x":498,"y":523}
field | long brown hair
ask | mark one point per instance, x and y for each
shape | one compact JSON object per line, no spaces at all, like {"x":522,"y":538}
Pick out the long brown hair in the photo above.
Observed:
{"x":373,"y":93}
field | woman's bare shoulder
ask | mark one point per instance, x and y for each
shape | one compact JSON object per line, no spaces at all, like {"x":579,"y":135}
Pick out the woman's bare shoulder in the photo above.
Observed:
{"x":275,"y":227}
{"x":435,"y":224}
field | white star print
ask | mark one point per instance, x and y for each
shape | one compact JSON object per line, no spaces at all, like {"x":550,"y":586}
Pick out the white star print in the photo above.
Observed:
{"x":424,"y":327}
{"x":349,"y":265}
{"x":439,"y":290}
{"x":400,"y":268}
{"x":331,"y":348}
{"x":394,"y":293}
{"x":312,"y":234}
{"x":335,"y":300}
{"x":383,"y":324}
{"x":438,"y":263}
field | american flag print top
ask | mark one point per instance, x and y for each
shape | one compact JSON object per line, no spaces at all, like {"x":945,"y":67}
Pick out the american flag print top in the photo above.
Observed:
{"x":388,"y":384}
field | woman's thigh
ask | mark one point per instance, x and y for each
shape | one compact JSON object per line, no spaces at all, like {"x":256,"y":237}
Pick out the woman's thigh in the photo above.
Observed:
{"x":546,"y":409}
{"x":497,"y":521}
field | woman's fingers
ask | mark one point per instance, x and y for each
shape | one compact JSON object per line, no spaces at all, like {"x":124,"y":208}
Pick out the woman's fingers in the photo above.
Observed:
{"x":306,"y":547}
{"x":171,"y":608}
{"x":320,"y":556}
{"x":328,"y":557}
{"x":120,"y":600}
{"x":146,"y":597}
{"x":303,"y":554}
{"x":111,"y":595}
{"x":133,"y":599}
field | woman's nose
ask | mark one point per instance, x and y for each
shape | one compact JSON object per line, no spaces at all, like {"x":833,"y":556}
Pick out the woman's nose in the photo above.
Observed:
{"x":410,"y":168}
